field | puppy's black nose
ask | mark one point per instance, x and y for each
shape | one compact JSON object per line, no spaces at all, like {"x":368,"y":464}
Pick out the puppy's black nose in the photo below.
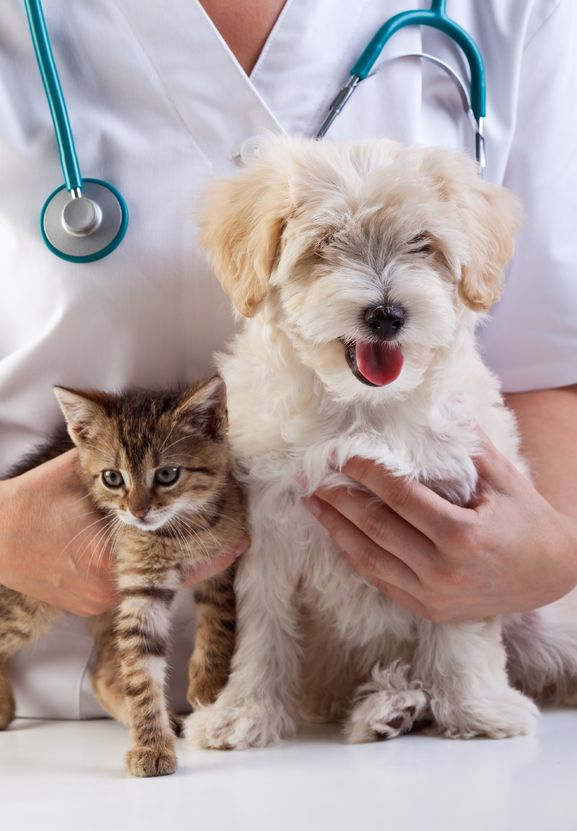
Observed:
{"x":385,"y":322}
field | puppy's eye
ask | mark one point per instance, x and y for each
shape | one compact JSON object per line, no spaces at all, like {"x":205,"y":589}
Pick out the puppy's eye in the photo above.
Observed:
{"x":166,"y":475}
{"x":421,"y":244}
{"x":112,"y":478}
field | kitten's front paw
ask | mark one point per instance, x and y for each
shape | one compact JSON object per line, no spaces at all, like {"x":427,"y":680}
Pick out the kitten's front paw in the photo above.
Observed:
{"x":151,"y":761}
{"x":498,"y":716}
{"x":238,"y":726}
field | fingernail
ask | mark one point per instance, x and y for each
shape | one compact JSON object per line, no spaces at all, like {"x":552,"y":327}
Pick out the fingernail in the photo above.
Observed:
{"x":241,"y":547}
{"x":313,"y":505}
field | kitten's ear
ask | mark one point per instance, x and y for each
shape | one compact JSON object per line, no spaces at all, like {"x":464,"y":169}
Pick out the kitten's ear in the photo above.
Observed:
{"x":204,"y":407}
{"x":81,"y":409}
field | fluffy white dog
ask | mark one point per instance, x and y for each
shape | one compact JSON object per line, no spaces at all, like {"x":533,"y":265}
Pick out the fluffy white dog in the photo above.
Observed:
{"x":364,"y":268}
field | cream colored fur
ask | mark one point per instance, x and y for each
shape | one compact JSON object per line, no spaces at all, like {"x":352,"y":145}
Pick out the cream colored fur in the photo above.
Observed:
{"x":303,"y":241}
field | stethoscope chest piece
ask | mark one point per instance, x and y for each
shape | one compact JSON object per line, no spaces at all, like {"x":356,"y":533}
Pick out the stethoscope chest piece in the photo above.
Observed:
{"x":84,"y":226}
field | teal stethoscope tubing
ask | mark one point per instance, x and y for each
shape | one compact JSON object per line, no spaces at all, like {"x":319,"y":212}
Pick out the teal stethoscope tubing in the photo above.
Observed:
{"x":111,"y":229}
{"x":76,"y":230}
{"x":54,"y":94}
{"x":436,"y":17}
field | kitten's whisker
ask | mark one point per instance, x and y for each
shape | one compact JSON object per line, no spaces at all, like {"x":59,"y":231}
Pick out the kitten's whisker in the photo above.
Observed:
{"x":188,"y":519}
{"x":179,"y":538}
{"x":94,"y":544}
{"x":76,"y":501}
{"x":105,"y":542}
{"x":164,"y":449}
{"x":188,"y":529}
{"x":87,"y":513}
{"x":82,"y":531}
{"x":168,"y":435}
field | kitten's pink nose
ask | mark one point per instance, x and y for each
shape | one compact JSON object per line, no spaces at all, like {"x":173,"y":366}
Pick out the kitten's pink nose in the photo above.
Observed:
{"x":139,"y":513}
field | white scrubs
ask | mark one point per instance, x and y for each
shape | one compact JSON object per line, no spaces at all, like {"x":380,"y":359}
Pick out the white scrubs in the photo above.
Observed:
{"x":158,"y":105}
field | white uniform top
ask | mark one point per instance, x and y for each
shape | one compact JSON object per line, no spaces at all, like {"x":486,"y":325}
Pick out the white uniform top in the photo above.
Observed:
{"x":158,"y":105}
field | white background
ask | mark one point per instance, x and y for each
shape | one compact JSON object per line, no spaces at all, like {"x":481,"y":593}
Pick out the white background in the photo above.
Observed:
{"x":70,"y":775}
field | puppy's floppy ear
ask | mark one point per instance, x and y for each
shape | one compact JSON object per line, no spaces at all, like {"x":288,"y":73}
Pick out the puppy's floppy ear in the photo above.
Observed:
{"x":491,"y":218}
{"x":241,"y":224}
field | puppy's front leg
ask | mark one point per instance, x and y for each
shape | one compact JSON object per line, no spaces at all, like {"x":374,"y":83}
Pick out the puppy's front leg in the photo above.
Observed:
{"x":257,"y":705}
{"x":464,"y":668}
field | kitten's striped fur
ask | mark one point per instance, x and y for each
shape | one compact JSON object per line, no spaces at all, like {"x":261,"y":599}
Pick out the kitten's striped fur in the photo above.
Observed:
{"x":198,"y":516}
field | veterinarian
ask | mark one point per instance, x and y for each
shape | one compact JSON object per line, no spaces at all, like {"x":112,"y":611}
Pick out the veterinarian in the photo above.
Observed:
{"x":161,"y":100}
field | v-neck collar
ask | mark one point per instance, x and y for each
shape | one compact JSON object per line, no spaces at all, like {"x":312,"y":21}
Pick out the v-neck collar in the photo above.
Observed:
{"x":296,"y":75}
{"x":210,"y":93}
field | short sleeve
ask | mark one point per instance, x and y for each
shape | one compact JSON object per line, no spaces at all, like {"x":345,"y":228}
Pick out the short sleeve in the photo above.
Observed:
{"x":531,"y":340}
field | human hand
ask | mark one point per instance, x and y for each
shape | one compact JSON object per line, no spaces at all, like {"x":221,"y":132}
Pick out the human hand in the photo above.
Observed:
{"x":204,"y":571}
{"x":510,"y":551}
{"x":54,"y":544}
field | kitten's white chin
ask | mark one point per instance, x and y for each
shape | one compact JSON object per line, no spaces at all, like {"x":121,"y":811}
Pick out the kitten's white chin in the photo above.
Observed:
{"x":144,"y":524}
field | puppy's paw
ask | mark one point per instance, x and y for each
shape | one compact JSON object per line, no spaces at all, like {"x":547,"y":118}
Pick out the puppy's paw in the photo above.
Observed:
{"x":236,"y":727}
{"x":151,"y":761}
{"x":499,"y":716}
{"x":386,"y":715}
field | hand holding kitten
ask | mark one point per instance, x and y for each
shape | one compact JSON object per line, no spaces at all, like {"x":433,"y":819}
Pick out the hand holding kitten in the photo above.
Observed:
{"x":54,"y":544}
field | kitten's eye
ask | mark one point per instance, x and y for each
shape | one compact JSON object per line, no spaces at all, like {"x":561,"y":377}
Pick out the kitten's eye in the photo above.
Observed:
{"x":166,"y":475}
{"x":112,"y":478}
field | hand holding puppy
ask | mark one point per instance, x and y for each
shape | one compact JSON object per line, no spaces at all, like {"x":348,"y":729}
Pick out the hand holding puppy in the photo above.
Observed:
{"x":510,"y":551}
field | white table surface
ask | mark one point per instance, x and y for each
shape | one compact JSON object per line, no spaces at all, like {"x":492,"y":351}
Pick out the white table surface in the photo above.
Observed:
{"x":70,"y":775}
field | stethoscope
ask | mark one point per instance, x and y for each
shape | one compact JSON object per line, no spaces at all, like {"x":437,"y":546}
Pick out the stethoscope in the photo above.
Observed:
{"x":86,"y":219}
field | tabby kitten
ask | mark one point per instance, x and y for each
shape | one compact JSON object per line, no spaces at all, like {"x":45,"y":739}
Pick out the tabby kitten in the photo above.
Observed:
{"x":157,"y":465}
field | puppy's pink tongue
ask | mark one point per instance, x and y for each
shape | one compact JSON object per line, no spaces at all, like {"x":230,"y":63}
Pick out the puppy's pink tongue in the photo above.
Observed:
{"x":379,"y":363}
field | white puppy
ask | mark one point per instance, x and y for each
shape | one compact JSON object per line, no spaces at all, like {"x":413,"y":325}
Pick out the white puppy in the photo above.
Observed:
{"x":364,"y":268}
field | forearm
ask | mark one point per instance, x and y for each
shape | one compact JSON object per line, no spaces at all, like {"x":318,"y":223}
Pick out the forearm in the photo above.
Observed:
{"x":547,"y":420}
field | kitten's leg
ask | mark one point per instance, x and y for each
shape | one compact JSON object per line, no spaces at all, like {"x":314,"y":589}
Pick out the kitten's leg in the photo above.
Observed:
{"x":141,"y":635}
{"x":463,"y":666}
{"x":7,"y":705}
{"x":256,"y":707}
{"x":22,"y":618}
{"x":107,"y":678}
{"x":106,"y":674}
{"x":209,"y":666}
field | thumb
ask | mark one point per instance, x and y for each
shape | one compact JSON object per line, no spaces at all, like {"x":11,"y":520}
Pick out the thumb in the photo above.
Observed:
{"x":494,"y":469}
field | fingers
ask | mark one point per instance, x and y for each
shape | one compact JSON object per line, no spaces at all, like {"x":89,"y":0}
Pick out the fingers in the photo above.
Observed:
{"x":495,"y":469}
{"x":414,"y":502}
{"x":204,"y":571}
{"x":376,"y":565}
{"x":381,"y":525}
{"x":84,"y":600}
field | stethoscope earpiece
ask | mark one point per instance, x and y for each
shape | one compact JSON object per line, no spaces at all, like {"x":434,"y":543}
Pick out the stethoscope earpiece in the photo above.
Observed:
{"x":83,"y":226}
